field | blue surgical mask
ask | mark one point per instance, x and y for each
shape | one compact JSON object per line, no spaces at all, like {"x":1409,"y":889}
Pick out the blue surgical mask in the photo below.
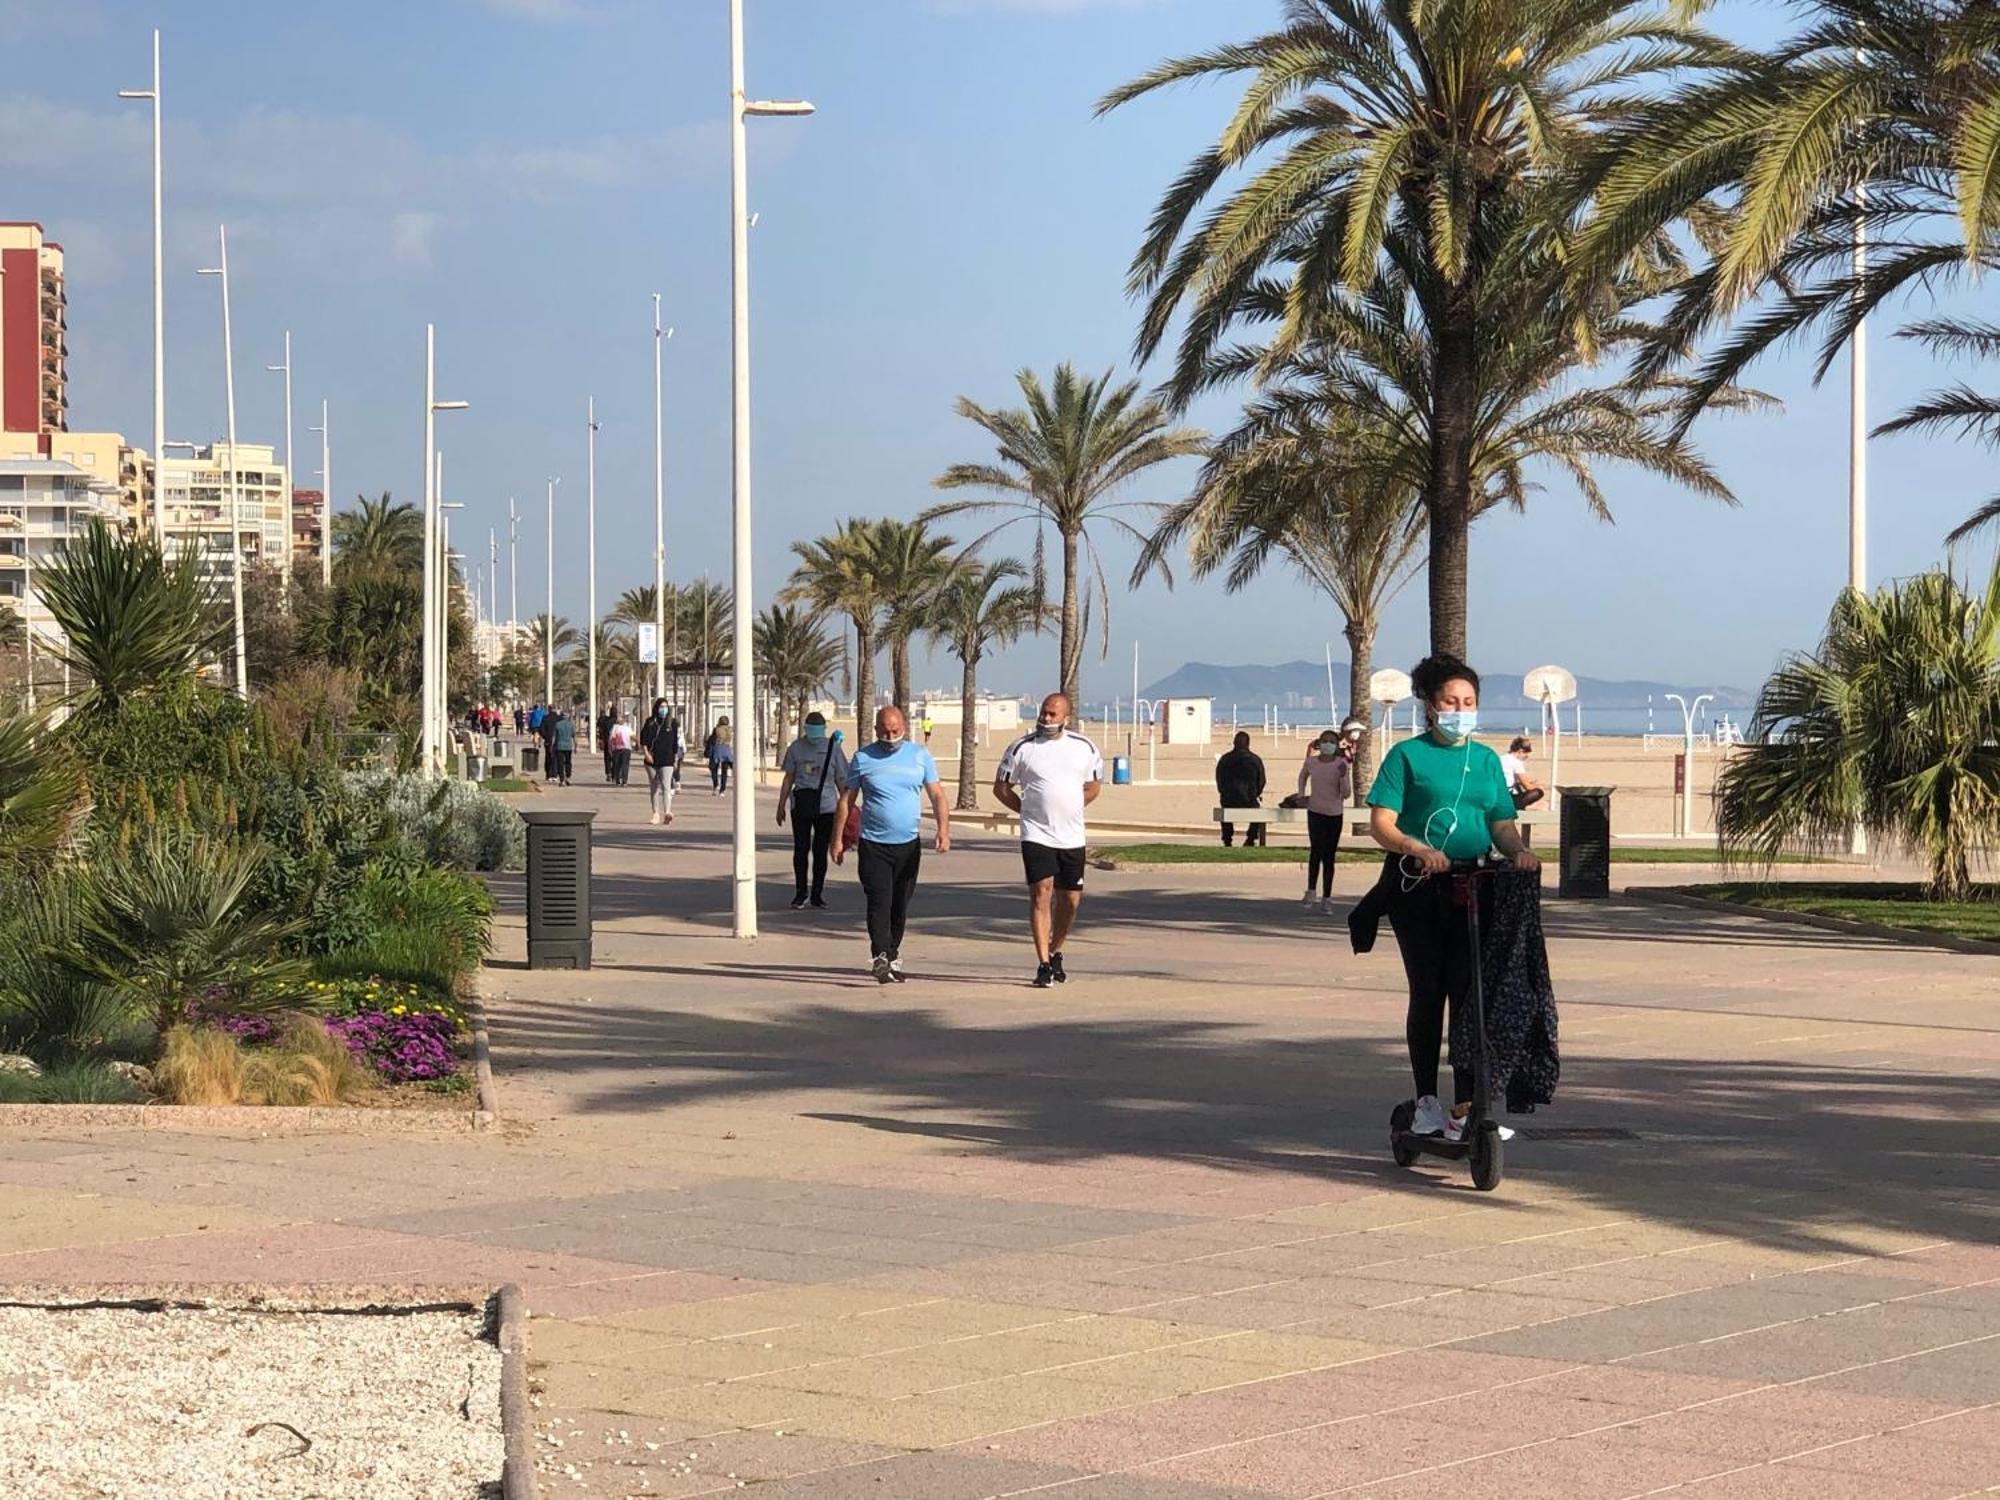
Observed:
{"x":1458,"y":725}
{"x":815,"y":731}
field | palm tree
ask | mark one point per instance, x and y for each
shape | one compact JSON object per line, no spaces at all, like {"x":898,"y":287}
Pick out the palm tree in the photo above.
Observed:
{"x":838,"y":573}
{"x":636,"y":606}
{"x":617,"y":663}
{"x":132,"y":622}
{"x":1894,"y":723}
{"x":1442,"y":140}
{"x":981,"y":607}
{"x":1062,"y":458}
{"x":383,"y":535}
{"x":912,"y":562}
{"x":40,"y":794}
{"x":545,"y":630}
{"x":795,"y":657}
{"x":700,"y":631}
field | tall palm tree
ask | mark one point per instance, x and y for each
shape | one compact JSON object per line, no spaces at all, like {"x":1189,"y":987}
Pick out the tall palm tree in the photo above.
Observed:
{"x":637,"y":606}
{"x":839,"y":573}
{"x":546,"y":633}
{"x":617,"y":663}
{"x":1441,"y":139}
{"x":1894,"y":722}
{"x":912,"y":562}
{"x":982,"y":607}
{"x":700,"y":633}
{"x":383,"y":535}
{"x":1062,"y":459}
{"x":133,"y":622}
{"x":795,"y":657}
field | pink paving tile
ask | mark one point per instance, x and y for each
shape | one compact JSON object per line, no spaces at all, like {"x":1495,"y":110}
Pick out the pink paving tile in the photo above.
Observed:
{"x":1791,"y":1482}
{"x":1914,"y":1456}
{"x":598,"y":1299}
{"x":1574,"y":1469}
{"x":1320,"y":1460}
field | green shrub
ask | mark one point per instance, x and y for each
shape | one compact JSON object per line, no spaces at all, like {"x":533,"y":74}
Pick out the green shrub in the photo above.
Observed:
{"x":414,"y":923}
{"x":452,"y":823}
{"x":20,"y":1088}
{"x":81,"y":1082}
{"x":47,"y":1008}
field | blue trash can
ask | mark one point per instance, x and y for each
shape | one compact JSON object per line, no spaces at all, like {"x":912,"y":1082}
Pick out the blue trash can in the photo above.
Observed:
{"x":1121,"y":770}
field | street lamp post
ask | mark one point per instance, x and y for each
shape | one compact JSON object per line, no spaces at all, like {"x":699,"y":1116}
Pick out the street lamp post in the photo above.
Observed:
{"x":743,"y":836}
{"x":549,"y":618}
{"x":660,"y":336}
{"x":235,"y":471}
{"x":1857,"y":453}
{"x":326,"y":497}
{"x":159,"y":303}
{"x":513,"y":571}
{"x":445,"y":555}
{"x":433,"y":739}
{"x":291,"y":472}
{"x":590,"y":533}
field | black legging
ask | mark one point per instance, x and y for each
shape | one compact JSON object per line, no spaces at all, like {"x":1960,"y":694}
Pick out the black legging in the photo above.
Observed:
{"x":812,"y":835}
{"x":1430,"y":931}
{"x":889,"y":877}
{"x":1323,"y":831}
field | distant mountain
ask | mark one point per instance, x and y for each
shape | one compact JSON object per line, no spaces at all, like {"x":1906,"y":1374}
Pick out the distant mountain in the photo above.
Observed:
{"x":1302,"y":685}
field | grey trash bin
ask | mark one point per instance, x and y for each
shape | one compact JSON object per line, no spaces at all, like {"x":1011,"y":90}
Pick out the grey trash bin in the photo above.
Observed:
{"x":531,"y":758}
{"x":558,"y":889}
{"x":1584,"y":861}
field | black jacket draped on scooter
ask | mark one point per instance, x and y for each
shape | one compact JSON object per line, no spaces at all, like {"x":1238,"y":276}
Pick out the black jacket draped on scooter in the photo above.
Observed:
{"x":1514,"y":979}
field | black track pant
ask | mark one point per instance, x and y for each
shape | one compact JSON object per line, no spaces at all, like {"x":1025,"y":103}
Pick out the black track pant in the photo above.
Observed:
{"x":889,"y":879}
{"x":812,"y":836}
{"x":1430,"y":931}
{"x":1323,"y":832}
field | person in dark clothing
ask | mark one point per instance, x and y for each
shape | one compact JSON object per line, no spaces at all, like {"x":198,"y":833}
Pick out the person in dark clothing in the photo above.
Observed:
{"x":605,"y":719}
{"x":1439,"y":798}
{"x":660,"y":749}
{"x":546,"y":731}
{"x":815,"y":775}
{"x":565,"y":746}
{"x":1239,"y":782}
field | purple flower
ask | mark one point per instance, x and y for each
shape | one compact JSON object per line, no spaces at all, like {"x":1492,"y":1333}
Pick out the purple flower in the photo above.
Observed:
{"x":403,"y":1048}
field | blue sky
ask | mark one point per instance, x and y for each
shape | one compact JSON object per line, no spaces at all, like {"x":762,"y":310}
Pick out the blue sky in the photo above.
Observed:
{"x":525,"y":173}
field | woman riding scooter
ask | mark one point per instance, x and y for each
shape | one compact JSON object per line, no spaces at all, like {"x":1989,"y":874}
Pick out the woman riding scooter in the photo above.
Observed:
{"x":1439,"y":798}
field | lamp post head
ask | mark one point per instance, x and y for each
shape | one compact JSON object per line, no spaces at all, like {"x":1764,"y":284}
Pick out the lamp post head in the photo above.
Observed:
{"x":451,"y":405}
{"x":136,"y":94}
{"x":794,"y":108}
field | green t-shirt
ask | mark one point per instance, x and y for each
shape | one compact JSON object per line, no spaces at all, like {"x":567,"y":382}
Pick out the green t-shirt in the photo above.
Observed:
{"x":1448,"y":796}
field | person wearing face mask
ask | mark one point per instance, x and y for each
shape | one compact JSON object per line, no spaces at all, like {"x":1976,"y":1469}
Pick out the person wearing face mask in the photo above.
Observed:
{"x":1049,"y":778}
{"x":1326,"y":781}
{"x":1437,"y":798}
{"x":815,"y":773}
{"x":889,"y":778}
{"x":660,"y":750}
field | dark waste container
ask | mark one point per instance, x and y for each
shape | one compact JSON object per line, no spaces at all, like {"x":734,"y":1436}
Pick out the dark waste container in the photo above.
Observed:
{"x":1584,"y":862}
{"x":558,"y":889}
{"x":531,"y":758}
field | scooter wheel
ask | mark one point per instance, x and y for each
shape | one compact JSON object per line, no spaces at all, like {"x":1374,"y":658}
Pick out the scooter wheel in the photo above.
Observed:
{"x":1400,"y":1120}
{"x":1486,"y":1159}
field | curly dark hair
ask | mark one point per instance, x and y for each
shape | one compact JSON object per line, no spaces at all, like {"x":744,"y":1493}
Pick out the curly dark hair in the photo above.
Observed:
{"x":1428,"y":677}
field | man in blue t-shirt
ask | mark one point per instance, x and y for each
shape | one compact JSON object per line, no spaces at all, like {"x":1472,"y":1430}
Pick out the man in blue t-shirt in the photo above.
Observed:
{"x":889,"y":778}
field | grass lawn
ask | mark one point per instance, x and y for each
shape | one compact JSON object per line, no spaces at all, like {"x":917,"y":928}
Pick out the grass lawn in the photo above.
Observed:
{"x":1295,"y":854}
{"x":1890,"y":905}
{"x":507,"y":784}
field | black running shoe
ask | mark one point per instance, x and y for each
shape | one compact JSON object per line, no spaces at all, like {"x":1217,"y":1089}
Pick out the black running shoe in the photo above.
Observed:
{"x":818,"y":903}
{"x":896,"y":971}
{"x":799,"y":901}
{"x":1045,"y":975}
{"x":883,"y":974}
{"x":1056,"y":968}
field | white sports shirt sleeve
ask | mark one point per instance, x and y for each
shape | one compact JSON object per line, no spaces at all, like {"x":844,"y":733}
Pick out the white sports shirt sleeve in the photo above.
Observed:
{"x":1051,"y":775}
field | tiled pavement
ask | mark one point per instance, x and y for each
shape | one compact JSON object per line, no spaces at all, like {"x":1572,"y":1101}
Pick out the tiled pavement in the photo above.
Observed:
{"x":1138,"y":1238}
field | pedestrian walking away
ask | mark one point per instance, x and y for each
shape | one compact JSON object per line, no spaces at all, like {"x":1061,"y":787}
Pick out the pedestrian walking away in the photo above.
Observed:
{"x":602,"y":731}
{"x":721,"y":753}
{"x":1438,"y":798}
{"x":815,"y":775}
{"x":660,"y":749}
{"x":1326,"y":781}
{"x":551,"y":762}
{"x":1239,"y":782}
{"x":1049,"y":778}
{"x":565,"y":747}
{"x":620,"y":741}
{"x":888,"y":778}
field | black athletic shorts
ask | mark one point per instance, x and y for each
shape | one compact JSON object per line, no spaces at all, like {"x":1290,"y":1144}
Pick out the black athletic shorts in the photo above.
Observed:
{"x":1046,"y":862}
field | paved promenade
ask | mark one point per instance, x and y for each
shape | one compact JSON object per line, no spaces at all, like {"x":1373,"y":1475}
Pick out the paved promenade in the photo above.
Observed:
{"x":1138,"y":1237}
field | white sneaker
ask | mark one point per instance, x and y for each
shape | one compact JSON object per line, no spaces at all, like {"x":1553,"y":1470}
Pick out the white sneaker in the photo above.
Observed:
{"x":1311,"y":901}
{"x":1429,"y":1118}
{"x":655,"y":820}
{"x":1326,"y":905}
{"x":1454,"y":1128}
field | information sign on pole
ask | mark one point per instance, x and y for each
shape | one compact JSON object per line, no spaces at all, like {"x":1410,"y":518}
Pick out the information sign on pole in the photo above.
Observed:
{"x":649,"y":643}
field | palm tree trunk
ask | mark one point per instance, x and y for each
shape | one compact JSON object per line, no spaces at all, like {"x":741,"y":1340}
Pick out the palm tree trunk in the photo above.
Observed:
{"x":1071,"y":648}
{"x":968,"y":739}
{"x":1360,"y":667}
{"x":1449,"y":500}
{"x":864,"y":682}
{"x":899,"y":670}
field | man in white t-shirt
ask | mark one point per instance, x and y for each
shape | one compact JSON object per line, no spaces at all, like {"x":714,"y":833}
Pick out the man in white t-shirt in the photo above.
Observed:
{"x":1049,"y":778}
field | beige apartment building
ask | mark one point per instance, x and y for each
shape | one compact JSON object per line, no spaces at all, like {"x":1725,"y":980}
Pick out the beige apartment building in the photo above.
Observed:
{"x":43,"y":503}
{"x":195,"y":492}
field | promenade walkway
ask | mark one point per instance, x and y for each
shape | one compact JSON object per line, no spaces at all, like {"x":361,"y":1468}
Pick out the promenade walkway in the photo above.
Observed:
{"x":1138,"y":1237}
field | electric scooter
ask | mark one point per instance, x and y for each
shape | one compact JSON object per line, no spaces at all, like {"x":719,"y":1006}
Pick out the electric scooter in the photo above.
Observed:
{"x":1480,"y":1139}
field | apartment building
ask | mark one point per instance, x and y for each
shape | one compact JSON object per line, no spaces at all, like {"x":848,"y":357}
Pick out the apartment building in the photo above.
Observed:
{"x":34,"y":328}
{"x":194,"y":489}
{"x":43,"y":503}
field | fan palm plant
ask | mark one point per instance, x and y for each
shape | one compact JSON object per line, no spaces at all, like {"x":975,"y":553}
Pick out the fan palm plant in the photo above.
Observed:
{"x":795,"y":657}
{"x":838,"y":573}
{"x":981,"y":607}
{"x":41,"y":794}
{"x":1893,"y":723}
{"x":384,"y":535}
{"x":132,"y":622}
{"x":912,"y":562}
{"x":1442,"y":140}
{"x":1063,"y":457}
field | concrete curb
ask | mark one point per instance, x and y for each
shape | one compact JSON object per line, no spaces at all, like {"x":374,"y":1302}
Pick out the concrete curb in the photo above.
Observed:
{"x":517,"y":1477}
{"x":487,"y":1114}
{"x":1907,"y":936}
{"x":255,"y":1119}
